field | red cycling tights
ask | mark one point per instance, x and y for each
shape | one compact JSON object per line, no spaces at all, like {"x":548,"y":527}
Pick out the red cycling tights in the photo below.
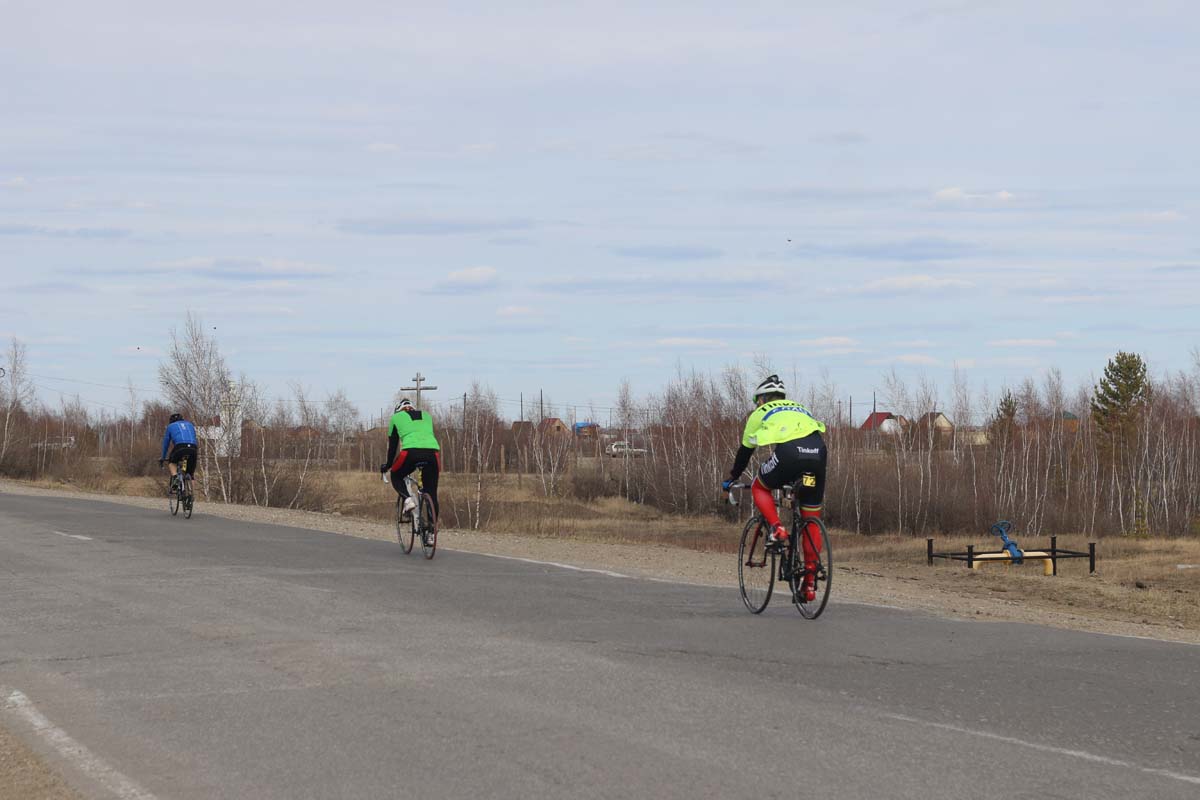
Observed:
{"x":765,"y":502}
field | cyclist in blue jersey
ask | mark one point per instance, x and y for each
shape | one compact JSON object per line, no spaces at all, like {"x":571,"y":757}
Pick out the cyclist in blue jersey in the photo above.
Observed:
{"x":180,"y":438}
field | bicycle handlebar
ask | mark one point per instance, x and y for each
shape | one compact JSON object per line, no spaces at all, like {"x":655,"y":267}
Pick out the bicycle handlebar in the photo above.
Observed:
{"x":732,"y":500}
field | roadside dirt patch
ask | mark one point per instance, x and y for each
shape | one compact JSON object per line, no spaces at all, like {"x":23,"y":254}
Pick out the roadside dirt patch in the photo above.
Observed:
{"x":25,"y":776}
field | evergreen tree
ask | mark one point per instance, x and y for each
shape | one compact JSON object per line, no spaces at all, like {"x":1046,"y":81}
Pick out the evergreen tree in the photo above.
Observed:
{"x":1121,"y":394}
{"x":1004,"y":422}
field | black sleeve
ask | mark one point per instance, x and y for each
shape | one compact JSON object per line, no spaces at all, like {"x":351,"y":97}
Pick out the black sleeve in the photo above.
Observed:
{"x":740,"y":462}
{"x":393,"y":444}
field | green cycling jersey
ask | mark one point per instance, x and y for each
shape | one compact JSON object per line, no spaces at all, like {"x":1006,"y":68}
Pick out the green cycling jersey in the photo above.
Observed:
{"x":415,"y":430}
{"x":779,"y":421}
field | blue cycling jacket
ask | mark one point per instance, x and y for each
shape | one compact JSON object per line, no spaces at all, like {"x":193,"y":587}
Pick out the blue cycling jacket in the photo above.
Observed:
{"x":181,"y":432}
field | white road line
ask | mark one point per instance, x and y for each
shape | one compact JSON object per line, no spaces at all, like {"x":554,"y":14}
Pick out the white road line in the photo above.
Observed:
{"x":559,"y":565}
{"x":74,"y":536}
{"x":82,"y":758}
{"x":1045,"y":748}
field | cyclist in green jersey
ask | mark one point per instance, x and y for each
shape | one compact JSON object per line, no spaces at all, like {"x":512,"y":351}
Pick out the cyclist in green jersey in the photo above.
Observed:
{"x":799,"y":457}
{"x":412,"y":446}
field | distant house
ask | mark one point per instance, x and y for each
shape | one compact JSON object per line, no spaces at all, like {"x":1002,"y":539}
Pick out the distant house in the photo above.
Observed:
{"x":973,"y":437}
{"x":522,"y":429}
{"x":587,"y":430}
{"x":936,"y":428}
{"x":885,"y":422}
{"x":1070,"y":422}
{"x":552,"y":425}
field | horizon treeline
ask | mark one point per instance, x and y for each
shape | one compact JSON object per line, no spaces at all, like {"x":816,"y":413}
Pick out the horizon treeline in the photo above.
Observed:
{"x":1119,"y":457}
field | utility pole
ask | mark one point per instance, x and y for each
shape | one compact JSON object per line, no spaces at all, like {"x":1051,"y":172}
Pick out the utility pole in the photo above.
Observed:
{"x":417,"y":380}
{"x":541,"y":404}
{"x":522,"y":417}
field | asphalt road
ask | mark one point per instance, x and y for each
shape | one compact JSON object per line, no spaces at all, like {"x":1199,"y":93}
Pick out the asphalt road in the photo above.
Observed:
{"x":155,"y":657}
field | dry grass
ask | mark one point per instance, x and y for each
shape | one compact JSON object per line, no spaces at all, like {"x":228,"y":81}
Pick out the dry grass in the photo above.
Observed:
{"x":1136,"y":580}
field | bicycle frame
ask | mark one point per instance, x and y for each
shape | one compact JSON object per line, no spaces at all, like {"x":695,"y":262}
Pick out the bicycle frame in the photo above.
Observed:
{"x":789,"y":568}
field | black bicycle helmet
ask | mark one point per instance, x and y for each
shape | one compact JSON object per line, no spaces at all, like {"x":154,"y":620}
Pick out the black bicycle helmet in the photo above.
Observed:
{"x":176,"y":417}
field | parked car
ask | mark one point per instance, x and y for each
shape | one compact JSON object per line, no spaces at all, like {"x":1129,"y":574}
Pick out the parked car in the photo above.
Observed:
{"x":617,"y":449}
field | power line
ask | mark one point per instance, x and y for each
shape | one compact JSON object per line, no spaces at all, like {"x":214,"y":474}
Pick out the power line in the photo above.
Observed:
{"x":159,"y":393}
{"x":63,"y":395}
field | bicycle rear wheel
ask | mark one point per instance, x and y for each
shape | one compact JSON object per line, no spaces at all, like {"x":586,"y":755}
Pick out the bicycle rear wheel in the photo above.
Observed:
{"x":428,"y":525}
{"x":189,"y":498}
{"x":406,"y":532}
{"x":813,"y":532}
{"x":756,"y":566}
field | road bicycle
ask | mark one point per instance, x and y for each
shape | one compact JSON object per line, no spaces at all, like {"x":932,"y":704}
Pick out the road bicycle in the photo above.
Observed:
{"x":180,"y":493}
{"x":761,"y":564}
{"x":422,"y":522}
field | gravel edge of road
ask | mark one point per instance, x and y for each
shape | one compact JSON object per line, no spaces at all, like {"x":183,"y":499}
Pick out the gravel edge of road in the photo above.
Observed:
{"x":24,"y":774}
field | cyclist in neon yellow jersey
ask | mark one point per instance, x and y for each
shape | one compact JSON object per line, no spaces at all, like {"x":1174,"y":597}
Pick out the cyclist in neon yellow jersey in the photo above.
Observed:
{"x":799,"y":450}
{"x":412,"y":446}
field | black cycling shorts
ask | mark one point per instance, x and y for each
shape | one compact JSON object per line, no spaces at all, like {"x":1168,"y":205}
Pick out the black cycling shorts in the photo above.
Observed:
{"x":180,"y":452}
{"x":430,"y":464}
{"x":802,"y":462}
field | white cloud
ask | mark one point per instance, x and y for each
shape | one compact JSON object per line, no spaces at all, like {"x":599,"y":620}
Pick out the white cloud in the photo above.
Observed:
{"x":908,"y":284}
{"x":472,"y":277}
{"x":830,"y":345}
{"x":828,"y":341}
{"x":242,"y":269}
{"x":1022,"y":362}
{"x":913,"y":359}
{"x":956,"y":194}
{"x":950,"y":193}
{"x":1167,"y":216}
{"x":1023,"y":343}
{"x":15,"y":183}
{"x":692,"y":342}
{"x":515,"y":311}
{"x":918,"y":359}
{"x":1076,"y":299}
{"x":382,"y":147}
{"x":478,"y":149}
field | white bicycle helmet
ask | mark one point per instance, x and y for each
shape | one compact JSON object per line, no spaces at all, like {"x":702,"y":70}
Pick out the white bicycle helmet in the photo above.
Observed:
{"x":403,"y":404}
{"x":772,"y":385}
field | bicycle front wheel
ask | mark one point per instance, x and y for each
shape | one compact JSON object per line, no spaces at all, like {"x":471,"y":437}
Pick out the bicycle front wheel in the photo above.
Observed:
{"x":756,"y":566}
{"x":815,"y":539}
{"x":173,"y":500}
{"x":428,"y":525}
{"x":406,"y":532}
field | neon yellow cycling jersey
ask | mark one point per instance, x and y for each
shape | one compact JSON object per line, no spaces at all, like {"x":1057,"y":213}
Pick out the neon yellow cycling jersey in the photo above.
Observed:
{"x":779,"y":421}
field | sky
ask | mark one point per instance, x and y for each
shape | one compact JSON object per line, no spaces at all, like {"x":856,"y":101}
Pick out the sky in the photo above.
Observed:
{"x":562,"y":196}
